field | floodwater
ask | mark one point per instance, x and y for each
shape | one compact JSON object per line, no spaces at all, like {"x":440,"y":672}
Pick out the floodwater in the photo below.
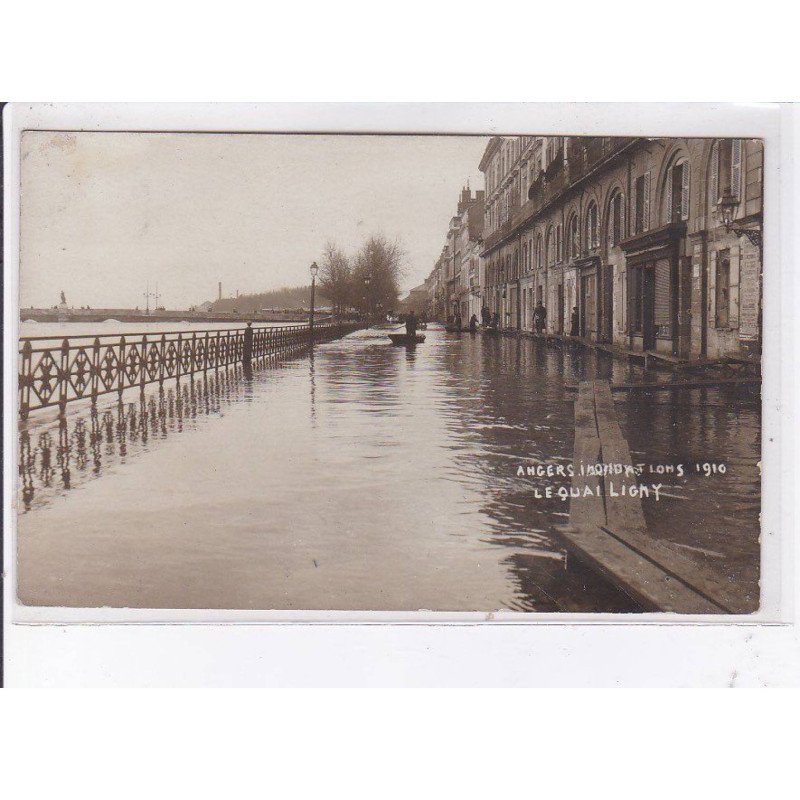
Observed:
{"x":366,"y":477}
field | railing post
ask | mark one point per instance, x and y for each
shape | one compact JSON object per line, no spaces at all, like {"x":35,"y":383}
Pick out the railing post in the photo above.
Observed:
{"x":95,"y":370}
{"x":25,"y":381}
{"x":143,"y":374}
{"x":162,"y":359}
{"x":193,"y":354}
{"x":121,"y":376}
{"x":205,"y":354}
{"x":63,"y":376}
{"x":179,"y":352}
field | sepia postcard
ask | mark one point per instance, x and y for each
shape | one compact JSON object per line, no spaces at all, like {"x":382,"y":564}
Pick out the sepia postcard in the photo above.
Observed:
{"x":509,"y":373}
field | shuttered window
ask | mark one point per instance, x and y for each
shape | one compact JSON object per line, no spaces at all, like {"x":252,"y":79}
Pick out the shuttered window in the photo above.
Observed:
{"x":591,"y":227}
{"x":684,"y":173}
{"x":736,"y":168}
{"x":722,"y":290}
{"x":676,"y":193}
{"x":662,"y":292}
{"x":668,"y":209}
{"x":713,"y":189}
{"x":635,"y":299}
{"x":646,"y":202}
{"x":616,"y":223}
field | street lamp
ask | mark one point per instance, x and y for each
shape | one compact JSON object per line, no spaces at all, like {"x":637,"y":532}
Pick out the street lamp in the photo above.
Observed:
{"x":314,"y":269}
{"x":367,"y":279}
{"x":728,"y":204}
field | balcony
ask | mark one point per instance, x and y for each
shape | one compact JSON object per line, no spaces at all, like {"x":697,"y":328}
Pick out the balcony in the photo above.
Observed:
{"x":584,"y":157}
{"x":586,"y":154}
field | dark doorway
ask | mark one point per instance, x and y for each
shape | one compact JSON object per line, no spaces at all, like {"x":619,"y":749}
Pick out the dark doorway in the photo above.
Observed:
{"x":608,"y":304}
{"x":648,"y":309}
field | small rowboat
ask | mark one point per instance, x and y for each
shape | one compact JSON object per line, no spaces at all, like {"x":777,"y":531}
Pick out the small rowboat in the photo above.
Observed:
{"x":404,"y":338}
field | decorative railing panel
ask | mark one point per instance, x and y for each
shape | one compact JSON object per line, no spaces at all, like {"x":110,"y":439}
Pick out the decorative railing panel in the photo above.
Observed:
{"x":54,"y":371}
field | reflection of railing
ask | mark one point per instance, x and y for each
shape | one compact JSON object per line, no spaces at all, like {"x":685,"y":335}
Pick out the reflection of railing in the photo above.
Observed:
{"x":55,"y":371}
{"x":57,"y":459}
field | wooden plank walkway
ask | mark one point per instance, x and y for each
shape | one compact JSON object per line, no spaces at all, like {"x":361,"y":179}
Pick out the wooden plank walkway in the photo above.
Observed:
{"x":608,"y":528}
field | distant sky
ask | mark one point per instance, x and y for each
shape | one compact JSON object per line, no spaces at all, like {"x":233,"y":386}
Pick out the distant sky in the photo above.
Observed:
{"x":103,"y":214}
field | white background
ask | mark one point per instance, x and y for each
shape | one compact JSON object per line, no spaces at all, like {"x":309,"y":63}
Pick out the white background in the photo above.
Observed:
{"x":420,"y":745}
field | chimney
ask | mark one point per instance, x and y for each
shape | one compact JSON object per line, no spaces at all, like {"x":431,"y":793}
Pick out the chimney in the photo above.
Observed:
{"x":219,"y":291}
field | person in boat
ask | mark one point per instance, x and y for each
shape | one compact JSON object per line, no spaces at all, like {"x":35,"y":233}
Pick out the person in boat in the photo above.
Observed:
{"x":495,"y":323}
{"x":539,"y":316}
{"x":473,"y":324}
{"x":486,"y":316}
{"x":457,"y":321}
{"x":574,"y":329}
{"x":411,"y":325}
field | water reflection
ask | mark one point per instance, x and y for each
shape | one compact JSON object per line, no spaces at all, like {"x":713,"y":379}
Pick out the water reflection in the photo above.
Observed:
{"x":373,"y":477}
{"x":78,"y":447}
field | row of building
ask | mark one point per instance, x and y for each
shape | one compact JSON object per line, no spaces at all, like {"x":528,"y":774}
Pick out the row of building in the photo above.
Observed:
{"x":644,"y":244}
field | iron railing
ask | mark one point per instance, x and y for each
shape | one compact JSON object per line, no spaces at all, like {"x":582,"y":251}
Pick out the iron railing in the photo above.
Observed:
{"x":54,"y":371}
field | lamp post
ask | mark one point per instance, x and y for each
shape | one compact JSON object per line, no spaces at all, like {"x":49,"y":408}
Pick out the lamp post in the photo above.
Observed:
{"x":367,"y":279}
{"x":314,"y":269}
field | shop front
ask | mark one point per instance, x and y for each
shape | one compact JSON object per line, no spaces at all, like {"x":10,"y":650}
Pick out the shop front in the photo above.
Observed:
{"x":653,"y":261}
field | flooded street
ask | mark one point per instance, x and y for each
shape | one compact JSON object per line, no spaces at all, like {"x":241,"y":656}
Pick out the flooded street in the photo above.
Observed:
{"x":366,"y":477}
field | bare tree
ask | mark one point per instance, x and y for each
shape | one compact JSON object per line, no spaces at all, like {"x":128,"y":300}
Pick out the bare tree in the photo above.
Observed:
{"x":376,"y":275}
{"x":335,"y":277}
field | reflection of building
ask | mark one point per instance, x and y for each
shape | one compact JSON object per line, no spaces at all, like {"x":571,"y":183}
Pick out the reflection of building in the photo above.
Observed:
{"x":631,"y":232}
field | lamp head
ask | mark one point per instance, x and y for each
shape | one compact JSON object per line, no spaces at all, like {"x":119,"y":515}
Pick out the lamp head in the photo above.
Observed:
{"x":727,"y":207}
{"x":314,"y":270}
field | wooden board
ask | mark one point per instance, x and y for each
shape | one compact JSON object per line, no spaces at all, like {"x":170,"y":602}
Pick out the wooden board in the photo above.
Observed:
{"x":586,"y":509}
{"x":611,"y":531}
{"x":638,"y":576}
{"x":622,"y":511}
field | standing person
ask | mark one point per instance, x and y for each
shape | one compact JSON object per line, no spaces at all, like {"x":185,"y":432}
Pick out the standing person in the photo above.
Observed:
{"x":411,"y":325}
{"x":458,"y":321}
{"x":539,"y":316}
{"x":486,"y":316}
{"x":574,"y":326}
{"x":496,"y":320}
{"x":473,"y":324}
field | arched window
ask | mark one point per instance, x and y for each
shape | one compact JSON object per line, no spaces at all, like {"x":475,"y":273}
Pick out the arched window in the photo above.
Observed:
{"x":616,"y":219}
{"x":559,"y":244}
{"x":551,"y":247}
{"x":539,"y":254}
{"x":675,"y":195}
{"x":592,"y":228}
{"x":573,"y":237}
{"x":525,"y":257}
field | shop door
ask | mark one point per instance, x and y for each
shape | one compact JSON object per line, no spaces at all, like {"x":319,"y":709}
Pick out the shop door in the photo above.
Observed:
{"x":588,"y":306}
{"x":648,"y":309}
{"x":608,"y":304}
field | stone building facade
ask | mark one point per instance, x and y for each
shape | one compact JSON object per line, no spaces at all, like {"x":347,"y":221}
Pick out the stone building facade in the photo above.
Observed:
{"x":456,"y":278}
{"x":630,"y":235}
